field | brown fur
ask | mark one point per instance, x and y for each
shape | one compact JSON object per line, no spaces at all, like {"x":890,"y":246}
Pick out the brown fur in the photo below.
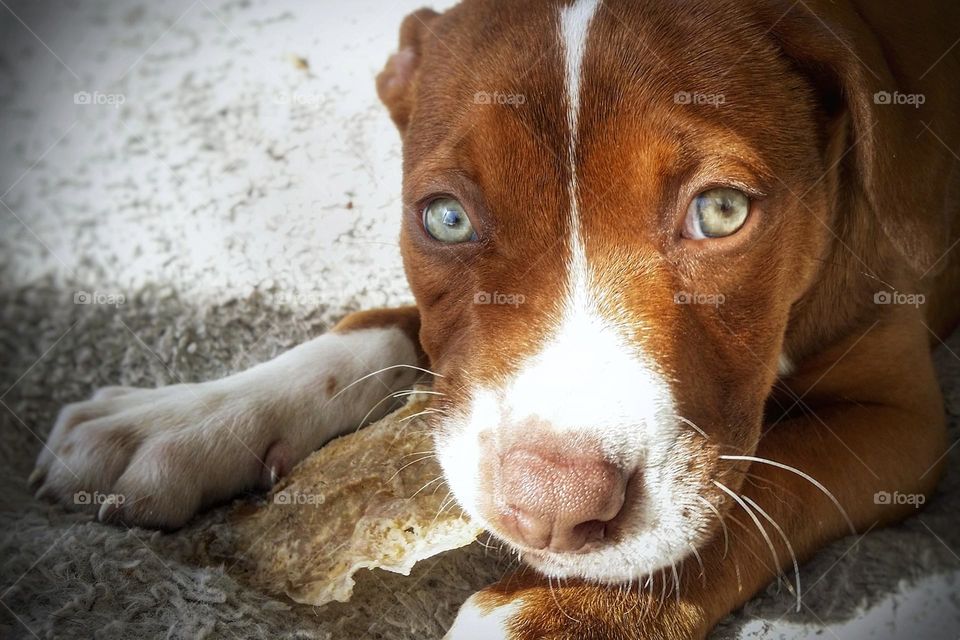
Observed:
{"x":855,"y":198}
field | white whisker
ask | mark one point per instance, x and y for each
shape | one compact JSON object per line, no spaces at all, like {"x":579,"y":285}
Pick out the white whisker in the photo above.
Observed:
{"x":397,"y":472}
{"x":796,"y":566}
{"x":363,"y":420}
{"x":637,"y":598}
{"x":557,"y":602}
{"x":396,"y":394}
{"x":756,"y":521}
{"x":420,"y":413}
{"x":414,"y":392}
{"x":676,"y":580}
{"x":663,"y":590}
{"x":696,"y":554}
{"x":650,"y":586}
{"x":438,"y":478}
{"x":693,"y":426}
{"x":379,"y":371}
{"x":803,"y":475}
{"x":447,"y":501}
{"x":417,"y":453}
{"x":726,"y":533}
{"x":486,"y":545}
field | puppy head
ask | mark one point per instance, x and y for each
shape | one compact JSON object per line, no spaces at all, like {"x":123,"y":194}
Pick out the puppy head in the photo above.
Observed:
{"x":610,"y":209}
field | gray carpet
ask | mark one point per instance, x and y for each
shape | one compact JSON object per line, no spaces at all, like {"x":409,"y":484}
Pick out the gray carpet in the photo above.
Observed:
{"x":242,"y":197}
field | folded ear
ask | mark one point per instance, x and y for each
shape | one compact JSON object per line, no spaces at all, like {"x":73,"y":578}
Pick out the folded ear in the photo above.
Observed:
{"x":901,"y":127}
{"x":396,"y":84}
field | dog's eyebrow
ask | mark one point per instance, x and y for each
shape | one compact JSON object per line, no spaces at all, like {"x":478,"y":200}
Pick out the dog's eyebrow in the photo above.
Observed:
{"x":733,"y":170}
{"x":702,"y":172}
{"x":720,"y":154}
{"x":438,"y":177}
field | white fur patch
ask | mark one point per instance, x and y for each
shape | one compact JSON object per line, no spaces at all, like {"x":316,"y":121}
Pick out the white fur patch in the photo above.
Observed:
{"x":472,"y":624}
{"x":591,"y":378}
{"x":587,"y":364}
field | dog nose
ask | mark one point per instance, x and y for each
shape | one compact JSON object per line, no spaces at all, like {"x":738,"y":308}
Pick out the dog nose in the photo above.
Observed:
{"x":558,"y":500}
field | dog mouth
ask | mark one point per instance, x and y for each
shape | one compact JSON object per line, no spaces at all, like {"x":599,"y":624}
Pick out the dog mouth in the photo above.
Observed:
{"x":580,"y":506}
{"x":631,"y":545}
{"x":608,"y":562}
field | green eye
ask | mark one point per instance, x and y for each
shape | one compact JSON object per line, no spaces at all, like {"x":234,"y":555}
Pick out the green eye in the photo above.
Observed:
{"x":716,"y":213}
{"x":446,"y":220}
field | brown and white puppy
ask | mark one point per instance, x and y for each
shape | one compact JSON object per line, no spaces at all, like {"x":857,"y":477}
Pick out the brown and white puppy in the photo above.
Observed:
{"x":656,"y":247}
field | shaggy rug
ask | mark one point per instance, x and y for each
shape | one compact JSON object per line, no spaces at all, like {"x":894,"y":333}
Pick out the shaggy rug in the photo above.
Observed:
{"x":192,"y":187}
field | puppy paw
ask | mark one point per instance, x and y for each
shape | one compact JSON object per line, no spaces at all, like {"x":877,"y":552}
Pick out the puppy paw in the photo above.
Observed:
{"x":527,"y":606}
{"x":150,"y":457}
{"x":479,"y":619}
{"x":154,"y":457}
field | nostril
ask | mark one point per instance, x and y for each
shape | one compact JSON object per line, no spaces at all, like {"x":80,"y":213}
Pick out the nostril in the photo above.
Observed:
{"x":533,"y":531}
{"x":571,"y":539}
{"x":560,"y":502}
{"x":544,"y":532}
{"x":591,"y":531}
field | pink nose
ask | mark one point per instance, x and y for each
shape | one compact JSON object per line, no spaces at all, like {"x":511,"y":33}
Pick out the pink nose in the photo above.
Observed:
{"x":557,"y":499}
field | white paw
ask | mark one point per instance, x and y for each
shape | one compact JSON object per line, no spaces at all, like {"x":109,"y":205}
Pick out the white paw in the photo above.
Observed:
{"x":478,"y":620}
{"x":154,"y":457}
{"x":150,"y":457}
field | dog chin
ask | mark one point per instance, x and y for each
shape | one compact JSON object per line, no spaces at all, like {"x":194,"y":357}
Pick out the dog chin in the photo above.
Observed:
{"x":614,"y":564}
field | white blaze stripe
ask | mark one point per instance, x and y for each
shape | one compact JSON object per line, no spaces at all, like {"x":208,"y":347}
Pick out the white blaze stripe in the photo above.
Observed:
{"x":592,"y":381}
{"x":574,"y":27}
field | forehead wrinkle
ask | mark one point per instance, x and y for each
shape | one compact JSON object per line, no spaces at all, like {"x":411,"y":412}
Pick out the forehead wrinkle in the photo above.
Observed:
{"x":657,"y":161}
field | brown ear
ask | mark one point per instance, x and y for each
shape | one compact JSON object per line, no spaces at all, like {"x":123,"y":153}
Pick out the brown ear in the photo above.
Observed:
{"x":396,"y":84}
{"x":905,"y":171}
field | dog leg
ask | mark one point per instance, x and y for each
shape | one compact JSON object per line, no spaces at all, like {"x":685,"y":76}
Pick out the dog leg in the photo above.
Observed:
{"x":887,"y":435}
{"x":153,"y":457}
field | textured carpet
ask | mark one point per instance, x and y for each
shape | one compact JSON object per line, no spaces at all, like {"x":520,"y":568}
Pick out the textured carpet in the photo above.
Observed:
{"x":219,"y":179}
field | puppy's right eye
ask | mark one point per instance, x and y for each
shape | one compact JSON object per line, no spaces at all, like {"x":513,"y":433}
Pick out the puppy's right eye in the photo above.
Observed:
{"x":716,"y":213}
{"x":445,"y":220}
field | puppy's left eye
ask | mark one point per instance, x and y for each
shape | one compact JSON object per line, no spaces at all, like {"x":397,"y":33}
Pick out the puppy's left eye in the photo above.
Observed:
{"x":716,"y":213}
{"x":446,"y":220}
